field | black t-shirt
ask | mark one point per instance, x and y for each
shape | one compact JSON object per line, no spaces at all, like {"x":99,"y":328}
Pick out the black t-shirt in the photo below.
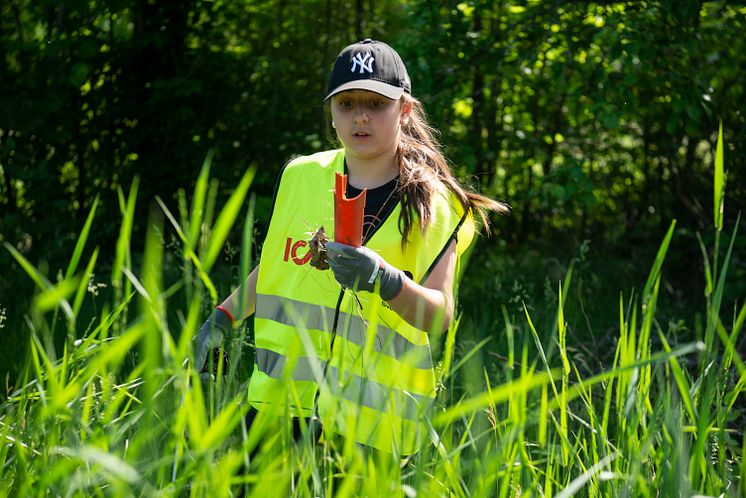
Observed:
{"x":379,"y":202}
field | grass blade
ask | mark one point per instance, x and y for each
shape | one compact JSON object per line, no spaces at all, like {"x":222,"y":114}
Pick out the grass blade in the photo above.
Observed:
{"x":497,"y":395}
{"x":732,"y":340}
{"x":586,"y":476}
{"x":83,"y":285}
{"x":57,"y":296}
{"x":96,"y":457}
{"x":125,"y":232}
{"x":576,"y":390}
{"x":80,"y":244}
{"x":680,"y":378}
{"x":226,"y":218}
{"x":717,"y":296}
{"x":719,"y":191}
{"x":657,"y":264}
{"x":30,"y":269}
{"x":246,"y":250}
{"x":198,"y":201}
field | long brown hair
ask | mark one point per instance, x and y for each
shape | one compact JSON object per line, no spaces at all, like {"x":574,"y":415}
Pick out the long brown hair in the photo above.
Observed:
{"x":424,"y":170}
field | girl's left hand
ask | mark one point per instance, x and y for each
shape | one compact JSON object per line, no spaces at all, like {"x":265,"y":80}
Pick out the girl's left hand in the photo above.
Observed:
{"x":361,"y":268}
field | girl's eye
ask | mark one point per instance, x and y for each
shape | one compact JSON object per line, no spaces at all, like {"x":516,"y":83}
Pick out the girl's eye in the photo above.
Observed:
{"x":376,"y":104}
{"x":344,"y":103}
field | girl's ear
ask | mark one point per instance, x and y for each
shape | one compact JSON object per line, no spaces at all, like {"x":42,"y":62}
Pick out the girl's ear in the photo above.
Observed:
{"x":406,"y":110}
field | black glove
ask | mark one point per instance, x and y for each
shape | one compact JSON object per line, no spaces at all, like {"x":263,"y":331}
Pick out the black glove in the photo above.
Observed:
{"x":361,"y":268}
{"x":210,"y":336}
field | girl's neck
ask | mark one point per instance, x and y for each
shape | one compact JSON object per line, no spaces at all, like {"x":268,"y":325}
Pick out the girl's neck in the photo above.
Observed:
{"x":371,"y":174}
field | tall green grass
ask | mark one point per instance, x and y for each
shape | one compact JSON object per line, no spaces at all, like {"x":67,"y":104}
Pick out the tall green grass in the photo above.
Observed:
{"x":120,"y":411}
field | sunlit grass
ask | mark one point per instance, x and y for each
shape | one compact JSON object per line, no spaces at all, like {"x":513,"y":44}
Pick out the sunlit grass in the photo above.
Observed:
{"x":119,"y":411}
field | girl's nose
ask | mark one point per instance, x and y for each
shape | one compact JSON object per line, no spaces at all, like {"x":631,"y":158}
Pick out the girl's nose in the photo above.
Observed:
{"x":360,"y":116}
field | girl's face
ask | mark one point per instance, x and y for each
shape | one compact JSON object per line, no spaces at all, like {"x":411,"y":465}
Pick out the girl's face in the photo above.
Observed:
{"x":368,"y":123}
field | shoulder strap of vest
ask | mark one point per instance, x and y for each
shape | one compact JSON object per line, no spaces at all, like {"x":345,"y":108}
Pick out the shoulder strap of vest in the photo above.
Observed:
{"x":453,"y":237}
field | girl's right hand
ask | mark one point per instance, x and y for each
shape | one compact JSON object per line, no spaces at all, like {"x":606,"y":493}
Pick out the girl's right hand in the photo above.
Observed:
{"x":210,"y":336}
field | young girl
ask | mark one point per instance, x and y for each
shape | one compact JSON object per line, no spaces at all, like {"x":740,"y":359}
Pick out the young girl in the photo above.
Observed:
{"x":352,"y":345}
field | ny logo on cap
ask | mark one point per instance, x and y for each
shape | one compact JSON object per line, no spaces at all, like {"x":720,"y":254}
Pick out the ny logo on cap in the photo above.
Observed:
{"x":364,"y":62}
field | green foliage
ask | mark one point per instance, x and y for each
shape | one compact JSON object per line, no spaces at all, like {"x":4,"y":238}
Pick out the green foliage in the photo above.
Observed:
{"x":121,"y":412}
{"x":593,"y":120}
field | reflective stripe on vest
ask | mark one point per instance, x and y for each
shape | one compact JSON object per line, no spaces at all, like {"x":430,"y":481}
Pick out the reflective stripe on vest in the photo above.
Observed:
{"x":346,"y":385}
{"x":387,"y":341}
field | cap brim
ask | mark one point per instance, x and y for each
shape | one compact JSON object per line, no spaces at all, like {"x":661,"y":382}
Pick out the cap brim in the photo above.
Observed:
{"x":389,"y":91}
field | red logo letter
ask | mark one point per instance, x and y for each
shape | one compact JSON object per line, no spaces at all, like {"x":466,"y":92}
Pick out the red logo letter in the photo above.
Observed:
{"x":287,"y":249}
{"x":294,"y":253}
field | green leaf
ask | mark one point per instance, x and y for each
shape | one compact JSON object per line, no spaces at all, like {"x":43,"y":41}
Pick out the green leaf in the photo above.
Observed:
{"x":660,"y":357}
{"x":198,"y":201}
{"x":117,"y":349}
{"x":719,"y":197}
{"x":708,"y":270}
{"x":222,"y":426}
{"x":56,"y":296}
{"x":226,"y":218}
{"x":681,"y":382}
{"x":80,"y":244}
{"x":717,"y":296}
{"x":111,"y":463}
{"x":499,"y":394}
{"x":730,"y":341}
{"x":30,"y":269}
{"x":189,"y":253}
{"x":577,"y":484}
{"x":125,"y":231}
{"x":655,"y":271}
{"x":246,"y":249}
{"x":83,"y":286}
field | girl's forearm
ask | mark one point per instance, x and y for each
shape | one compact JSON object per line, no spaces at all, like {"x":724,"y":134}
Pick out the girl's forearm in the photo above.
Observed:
{"x":232,"y":303}
{"x":427,"y":309}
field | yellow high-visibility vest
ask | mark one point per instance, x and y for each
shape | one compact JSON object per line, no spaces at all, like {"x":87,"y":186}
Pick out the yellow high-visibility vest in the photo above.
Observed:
{"x":379,"y":379}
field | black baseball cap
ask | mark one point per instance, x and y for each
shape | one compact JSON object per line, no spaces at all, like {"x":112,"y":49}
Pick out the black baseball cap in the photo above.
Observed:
{"x":369,"y":65}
